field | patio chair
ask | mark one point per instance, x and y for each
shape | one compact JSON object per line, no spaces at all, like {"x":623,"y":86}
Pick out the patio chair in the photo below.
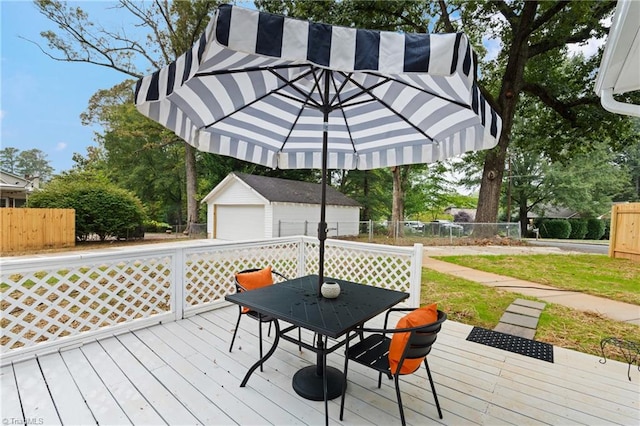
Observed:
{"x":401,"y":354}
{"x":251,"y":279}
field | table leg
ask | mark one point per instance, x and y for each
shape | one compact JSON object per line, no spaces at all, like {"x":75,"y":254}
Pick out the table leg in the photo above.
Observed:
{"x":266,"y":357}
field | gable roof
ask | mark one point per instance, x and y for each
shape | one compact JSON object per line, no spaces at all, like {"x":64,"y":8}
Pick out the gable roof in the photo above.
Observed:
{"x":294,"y":191}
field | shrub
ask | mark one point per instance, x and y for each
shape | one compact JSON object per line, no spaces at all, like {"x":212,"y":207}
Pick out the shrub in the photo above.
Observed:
{"x":101,"y":208}
{"x":595,"y":229}
{"x":578,"y":229}
{"x":155,"y":226}
{"x":555,"y":228}
{"x":607,"y":230}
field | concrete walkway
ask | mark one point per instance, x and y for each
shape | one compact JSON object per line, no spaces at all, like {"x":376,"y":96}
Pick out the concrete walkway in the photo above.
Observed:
{"x":615,"y":310}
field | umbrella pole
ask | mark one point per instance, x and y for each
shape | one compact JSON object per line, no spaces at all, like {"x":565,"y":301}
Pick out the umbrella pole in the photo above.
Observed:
{"x":322,"y":225}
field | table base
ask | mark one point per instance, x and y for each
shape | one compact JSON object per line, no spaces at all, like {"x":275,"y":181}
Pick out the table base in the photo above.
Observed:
{"x":308,"y":383}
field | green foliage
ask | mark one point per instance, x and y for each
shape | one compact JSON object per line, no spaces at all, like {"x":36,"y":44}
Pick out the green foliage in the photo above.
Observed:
{"x":578,"y":229}
{"x":101,"y":208}
{"x":155,"y":226}
{"x":32,"y":163}
{"x":555,"y":228}
{"x":595,"y":229}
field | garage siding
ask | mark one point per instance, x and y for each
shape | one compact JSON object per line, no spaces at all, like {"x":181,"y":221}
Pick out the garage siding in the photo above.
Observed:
{"x":289,"y":219}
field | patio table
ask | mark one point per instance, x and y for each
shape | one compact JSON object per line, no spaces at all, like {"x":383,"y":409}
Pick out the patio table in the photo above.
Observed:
{"x":297,"y":302}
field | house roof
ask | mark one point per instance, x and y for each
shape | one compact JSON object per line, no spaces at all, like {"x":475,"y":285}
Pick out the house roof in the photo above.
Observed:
{"x":294,"y":191}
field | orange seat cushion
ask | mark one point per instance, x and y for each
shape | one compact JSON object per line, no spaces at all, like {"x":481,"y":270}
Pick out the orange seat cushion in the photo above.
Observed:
{"x":421,"y":316}
{"x":254,"y":280}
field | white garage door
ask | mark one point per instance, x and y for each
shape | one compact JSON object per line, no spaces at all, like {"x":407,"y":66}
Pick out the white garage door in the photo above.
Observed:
{"x":239,"y":222}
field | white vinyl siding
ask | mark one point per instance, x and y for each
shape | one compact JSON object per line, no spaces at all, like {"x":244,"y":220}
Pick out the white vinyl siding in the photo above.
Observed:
{"x":289,"y":219}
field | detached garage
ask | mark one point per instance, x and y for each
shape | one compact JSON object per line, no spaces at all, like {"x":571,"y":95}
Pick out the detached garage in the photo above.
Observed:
{"x":245,"y":207}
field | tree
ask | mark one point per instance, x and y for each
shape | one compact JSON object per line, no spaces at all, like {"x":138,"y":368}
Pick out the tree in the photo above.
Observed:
{"x":31,"y":163}
{"x":100,"y":207}
{"x":534,"y":37}
{"x":173,"y":28}
{"x":9,"y":159}
{"x":430,"y":191}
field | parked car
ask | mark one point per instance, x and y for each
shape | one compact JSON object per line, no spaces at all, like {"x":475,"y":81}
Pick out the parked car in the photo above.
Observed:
{"x":447,"y":224}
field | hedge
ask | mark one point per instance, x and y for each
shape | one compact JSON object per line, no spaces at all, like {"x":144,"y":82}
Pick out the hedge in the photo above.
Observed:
{"x":578,"y":229}
{"x":555,"y":228}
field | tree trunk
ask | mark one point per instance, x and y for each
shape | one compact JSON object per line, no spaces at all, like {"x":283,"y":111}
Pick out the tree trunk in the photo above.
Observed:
{"x":192,"y":187}
{"x":512,"y":80}
{"x":366,"y":211}
{"x":397,"y":207}
{"x":524,"y":223}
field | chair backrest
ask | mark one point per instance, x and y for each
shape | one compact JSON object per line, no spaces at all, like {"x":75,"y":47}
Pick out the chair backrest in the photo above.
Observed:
{"x":421,"y":339}
{"x":275,"y":277}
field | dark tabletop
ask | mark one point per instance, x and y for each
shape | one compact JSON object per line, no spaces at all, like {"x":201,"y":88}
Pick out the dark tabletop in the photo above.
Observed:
{"x":297,"y":302}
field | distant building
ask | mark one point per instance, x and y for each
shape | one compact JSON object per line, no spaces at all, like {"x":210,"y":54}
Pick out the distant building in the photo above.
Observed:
{"x":244,"y":207}
{"x":14,"y":189}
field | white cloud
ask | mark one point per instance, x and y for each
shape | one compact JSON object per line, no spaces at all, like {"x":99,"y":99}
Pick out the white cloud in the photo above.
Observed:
{"x":61,"y":146}
{"x":588,"y":48}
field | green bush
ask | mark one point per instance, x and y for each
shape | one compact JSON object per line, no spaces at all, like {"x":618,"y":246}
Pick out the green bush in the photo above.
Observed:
{"x":555,"y":228}
{"x":578,"y":229}
{"x":607,"y":230}
{"x":101,"y":208}
{"x":595,"y":229}
{"x":155,"y":226}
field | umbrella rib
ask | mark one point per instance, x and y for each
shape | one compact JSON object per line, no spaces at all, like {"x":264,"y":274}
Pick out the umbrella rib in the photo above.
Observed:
{"x":459,"y":103}
{"x":307,"y":96}
{"x":387,"y":106}
{"x":272,"y":92}
{"x":344,"y":116}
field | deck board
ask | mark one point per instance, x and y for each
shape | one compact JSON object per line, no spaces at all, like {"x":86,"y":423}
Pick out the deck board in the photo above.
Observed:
{"x":64,"y":391}
{"x":10,"y":407}
{"x":182,"y":373}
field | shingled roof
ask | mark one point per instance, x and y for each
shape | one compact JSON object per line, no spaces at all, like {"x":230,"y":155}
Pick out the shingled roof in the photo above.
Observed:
{"x":294,"y":191}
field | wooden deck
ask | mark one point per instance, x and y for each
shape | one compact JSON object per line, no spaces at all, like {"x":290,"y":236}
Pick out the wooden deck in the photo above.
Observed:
{"x":182,"y":373}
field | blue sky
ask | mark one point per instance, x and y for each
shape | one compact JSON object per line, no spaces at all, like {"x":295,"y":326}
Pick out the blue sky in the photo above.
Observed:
{"x":42,"y":99}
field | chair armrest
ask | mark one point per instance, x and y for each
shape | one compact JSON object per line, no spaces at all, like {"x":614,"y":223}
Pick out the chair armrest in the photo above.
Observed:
{"x":441,"y":318}
{"x":280,"y":275}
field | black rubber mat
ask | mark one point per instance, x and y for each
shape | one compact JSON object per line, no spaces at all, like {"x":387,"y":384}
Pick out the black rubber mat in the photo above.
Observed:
{"x":508,"y":342}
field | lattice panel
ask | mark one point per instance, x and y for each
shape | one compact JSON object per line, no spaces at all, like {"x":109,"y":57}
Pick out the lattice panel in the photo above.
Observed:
{"x":391,"y":271}
{"x":65,"y":301}
{"x":209,"y":272}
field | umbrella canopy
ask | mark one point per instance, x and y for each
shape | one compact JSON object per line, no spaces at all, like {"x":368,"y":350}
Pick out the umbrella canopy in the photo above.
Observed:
{"x":287,"y":93}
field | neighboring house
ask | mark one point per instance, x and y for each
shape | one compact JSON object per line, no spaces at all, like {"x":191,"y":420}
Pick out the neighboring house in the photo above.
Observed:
{"x":14,"y":189}
{"x":553,"y":212}
{"x":243,"y":207}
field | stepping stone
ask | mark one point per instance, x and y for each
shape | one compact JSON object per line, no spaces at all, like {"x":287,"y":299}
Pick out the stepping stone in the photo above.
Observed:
{"x":521,"y":320}
{"x":529,"y":304}
{"x":523,"y":310}
{"x":527,"y":333}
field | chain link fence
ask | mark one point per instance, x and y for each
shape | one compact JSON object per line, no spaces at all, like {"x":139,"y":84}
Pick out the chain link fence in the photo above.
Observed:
{"x":370,"y":230}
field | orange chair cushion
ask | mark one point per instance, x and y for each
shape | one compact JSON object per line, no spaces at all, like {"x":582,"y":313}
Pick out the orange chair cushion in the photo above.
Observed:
{"x":421,"y":316}
{"x":254,"y":280}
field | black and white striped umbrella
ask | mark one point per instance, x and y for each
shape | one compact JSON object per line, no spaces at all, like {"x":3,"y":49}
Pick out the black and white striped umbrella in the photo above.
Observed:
{"x":289,"y":93}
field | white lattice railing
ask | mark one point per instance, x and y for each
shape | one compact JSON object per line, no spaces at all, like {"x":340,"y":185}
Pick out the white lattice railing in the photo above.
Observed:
{"x":49,"y":303}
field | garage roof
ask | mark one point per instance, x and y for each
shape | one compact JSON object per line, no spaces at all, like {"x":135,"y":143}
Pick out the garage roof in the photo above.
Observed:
{"x":294,"y":191}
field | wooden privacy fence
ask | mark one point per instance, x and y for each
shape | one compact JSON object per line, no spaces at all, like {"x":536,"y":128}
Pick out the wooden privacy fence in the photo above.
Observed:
{"x":33,"y":229}
{"x":625,"y":232}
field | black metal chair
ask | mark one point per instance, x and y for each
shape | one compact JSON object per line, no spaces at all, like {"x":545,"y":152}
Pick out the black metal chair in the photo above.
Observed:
{"x":373,"y":352}
{"x":275,"y":277}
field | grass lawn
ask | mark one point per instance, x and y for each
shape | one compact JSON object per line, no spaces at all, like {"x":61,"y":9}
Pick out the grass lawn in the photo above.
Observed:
{"x":598,"y":275}
{"x":475,"y":304}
